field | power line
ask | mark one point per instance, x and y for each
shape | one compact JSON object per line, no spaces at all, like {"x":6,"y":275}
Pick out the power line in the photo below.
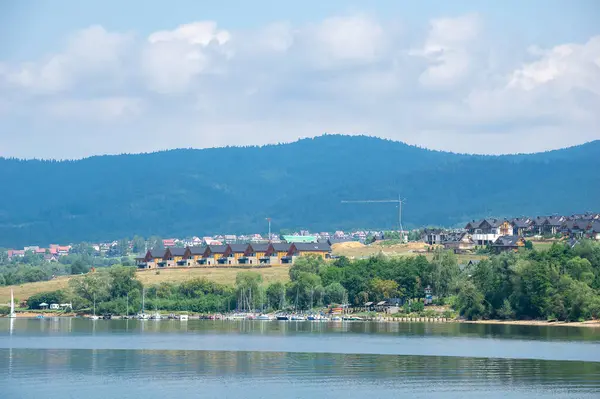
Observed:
{"x":398,"y":201}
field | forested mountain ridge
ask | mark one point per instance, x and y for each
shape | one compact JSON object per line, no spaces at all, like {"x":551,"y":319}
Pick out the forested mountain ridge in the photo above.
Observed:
{"x":299,"y":185}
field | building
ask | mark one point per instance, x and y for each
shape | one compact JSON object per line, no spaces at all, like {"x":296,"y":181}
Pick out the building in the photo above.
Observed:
{"x":434,"y":236}
{"x":300,"y":239}
{"x":459,"y":243}
{"x":487,"y":231}
{"x":255,"y":254}
{"x":301,"y":249}
{"x":277,"y":251}
{"x":176,"y":256}
{"x":151,"y":260}
{"x":213,"y":253}
{"x":521,"y":226}
{"x":508,"y":243}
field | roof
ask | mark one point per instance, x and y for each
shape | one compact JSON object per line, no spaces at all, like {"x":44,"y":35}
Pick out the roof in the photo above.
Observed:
{"x":305,"y":247}
{"x":238,"y":247}
{"x":520,"y":223}
{"x":595,"y":226}
{"x":281,"y":246}
{"x":300,"y":239}
{"x":157,"y":254}
{"x":506,"y":241}
{"x":368,"y":303}
{"x":177,"y":251}
{"x":197,"y":250}
{"x":259,"y":247}
{"x":217,"y":249}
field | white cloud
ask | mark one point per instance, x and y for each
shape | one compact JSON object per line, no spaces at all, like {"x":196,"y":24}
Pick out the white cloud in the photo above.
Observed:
{"x":172,"y":59}
{"x":89,"y":54}
{"x":202,"y":85}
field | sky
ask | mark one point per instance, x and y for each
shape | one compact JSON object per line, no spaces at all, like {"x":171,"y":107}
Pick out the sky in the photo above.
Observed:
{"x":82,"y":78}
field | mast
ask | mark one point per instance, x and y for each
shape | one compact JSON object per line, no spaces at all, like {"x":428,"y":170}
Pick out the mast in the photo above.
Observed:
{"x":12,"y":303}
{"x":127,"y":311}
{"x":143,"y":299}
{"x":94,"y":304}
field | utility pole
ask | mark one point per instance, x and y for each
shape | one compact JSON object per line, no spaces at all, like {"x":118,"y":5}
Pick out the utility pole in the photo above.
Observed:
{"x":398,"y":201}
{"x":269,"y":236}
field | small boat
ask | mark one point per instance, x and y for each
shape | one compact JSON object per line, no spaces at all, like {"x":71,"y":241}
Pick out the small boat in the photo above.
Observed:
{"x":156,"y":316}
{"x":94,"y":317}
{"x":40,"y":316}
{"x":143,"y":316}
{"x":264,"y":317}
{"x":107,"y":316}
{"x":283,"y":317}
{"x":297,"y":317}
{"x":336,"y":318}
{"x":183,"y":317}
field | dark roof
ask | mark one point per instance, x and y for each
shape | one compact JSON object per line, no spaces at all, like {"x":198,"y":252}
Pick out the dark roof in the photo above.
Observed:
{"x":177,"y":251}
{"x":595,"y":226}
{"x":260,"y":247}
{"x":238,"y":247}
{"x":554,"y":221}
{"x":197,"y":250}
{"x":217,"y":249}
{"x":282,"y":246}
{"x":506,"y":241}
{"x":306,"y":247}
{"x":520,"y":223}
{"x":157,"y":254}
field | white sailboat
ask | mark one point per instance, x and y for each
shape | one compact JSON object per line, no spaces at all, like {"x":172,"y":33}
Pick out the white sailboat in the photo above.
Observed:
{"x":94,"y":317}
{"x":143,"y":315}
{"x":12,"y":313}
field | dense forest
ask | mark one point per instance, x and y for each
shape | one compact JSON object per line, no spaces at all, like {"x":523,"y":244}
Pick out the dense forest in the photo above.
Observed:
{"x":561,"y":283}
{"x":299,"y":185}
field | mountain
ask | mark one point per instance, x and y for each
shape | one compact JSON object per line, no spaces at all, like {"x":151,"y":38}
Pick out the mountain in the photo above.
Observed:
{"x":299,"y":185}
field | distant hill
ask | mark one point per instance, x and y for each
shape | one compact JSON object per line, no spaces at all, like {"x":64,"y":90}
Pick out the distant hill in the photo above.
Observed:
{"x":299,"y":185}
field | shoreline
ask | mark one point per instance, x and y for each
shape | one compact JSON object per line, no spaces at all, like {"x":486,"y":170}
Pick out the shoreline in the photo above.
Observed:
{"x":539,"y":323}
{"x":535,"y":323}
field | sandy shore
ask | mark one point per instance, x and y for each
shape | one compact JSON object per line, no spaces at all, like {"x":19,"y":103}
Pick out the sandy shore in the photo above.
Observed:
{"x":589,"y":323}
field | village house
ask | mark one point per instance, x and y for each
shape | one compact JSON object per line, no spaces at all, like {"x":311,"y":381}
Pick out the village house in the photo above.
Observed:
{"x":487,"y":231}
{"x":508,"y":243}
{"x":521,"y":226}
{"x":212,"y":254}
{"x":434,"y":236}
{"x":301,"y":249}
{"x":255,"y":254}
{"x":459,"y":243}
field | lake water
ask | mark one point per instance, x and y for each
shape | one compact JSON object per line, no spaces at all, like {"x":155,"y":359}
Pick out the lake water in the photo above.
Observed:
{"x":78,"y":358}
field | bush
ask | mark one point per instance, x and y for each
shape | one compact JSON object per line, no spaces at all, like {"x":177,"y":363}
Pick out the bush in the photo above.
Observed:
{"x":4,"y":310}
{"x":48,"y":297}
{"x":417,"y":307}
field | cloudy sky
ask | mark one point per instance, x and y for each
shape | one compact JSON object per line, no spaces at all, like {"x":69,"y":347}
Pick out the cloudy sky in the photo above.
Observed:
{"x":79,"y":78}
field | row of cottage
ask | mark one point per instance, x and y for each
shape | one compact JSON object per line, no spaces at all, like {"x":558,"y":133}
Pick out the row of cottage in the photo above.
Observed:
{"x":232,"y":255}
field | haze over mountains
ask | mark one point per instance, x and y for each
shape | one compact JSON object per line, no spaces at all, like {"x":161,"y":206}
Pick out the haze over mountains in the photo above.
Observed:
{"x":299,"y":185}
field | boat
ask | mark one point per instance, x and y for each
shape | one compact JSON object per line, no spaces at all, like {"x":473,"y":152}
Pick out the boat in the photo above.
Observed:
{"x":107,"y":316}
{"x":183,"y":317}
{"x":297,"y":317}
{"x":40,"y":316}
{"x":336,"y":318}
{"x":264,"y":317}
{"x":94,"y":317}
{"x":156,"y":316}
{"x":142,"y":315}
{"x":283,"y":317}
{"x":12,"y":313}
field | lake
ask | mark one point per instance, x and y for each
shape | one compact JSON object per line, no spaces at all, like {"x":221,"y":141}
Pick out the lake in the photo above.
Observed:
{"x":79,"y":358}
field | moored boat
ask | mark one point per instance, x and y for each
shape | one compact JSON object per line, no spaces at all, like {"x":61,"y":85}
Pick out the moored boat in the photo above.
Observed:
{"x":283,"y":317}
{"x":183,"y":317}
{"x":264,"y":317}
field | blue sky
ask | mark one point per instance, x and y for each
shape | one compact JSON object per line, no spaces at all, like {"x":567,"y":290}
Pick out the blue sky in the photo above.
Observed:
{"x":113,"y":76}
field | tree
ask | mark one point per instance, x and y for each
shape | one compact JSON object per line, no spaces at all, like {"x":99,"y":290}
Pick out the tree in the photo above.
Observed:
{"x":309,"y":264}
{"x":33,"y":302}
{"x":138,"y":245}
{"x":276,"y":295}
{"x":156,"y":243}
{"x":335,"y":293}
{"x":469,"y":302}
{"x":580,"y":269}
{"x":79,"y":267}
{"x":90,"y":286}
{"x":382,"y":289}
{"x":123,"y":281}
{"x":123,"y":247}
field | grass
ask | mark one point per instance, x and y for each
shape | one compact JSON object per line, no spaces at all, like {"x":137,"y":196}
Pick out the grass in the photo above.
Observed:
{"x":149,"y":277}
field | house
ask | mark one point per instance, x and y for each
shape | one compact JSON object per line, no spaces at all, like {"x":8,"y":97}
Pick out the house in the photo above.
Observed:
{"x":508,"y":243}
{"x":63,"y":250}
{"x":593,"y":230}
{"x":255,"y":254}
{"x":50,"y":258}
{"x":176,"y":256}
{"x":434,"y":236}
{"x":233,"y":254}
{"x":195,"y":254}
{"x":521,"y":226}
{"x":15,"y":253}
{"x":486,"y":231}
{"x":151,"y":260}
{"x":168,"y":242}
{"x":459,"y":243}
{"x":547,"y":224}
{"x":230,"y":238}
{"x":276,"y":252}
{"x":213,"y":253}
{"x":301,"y":249}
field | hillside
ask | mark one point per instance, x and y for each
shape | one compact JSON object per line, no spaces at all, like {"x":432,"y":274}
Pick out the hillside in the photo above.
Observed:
{"x":300,"y":185}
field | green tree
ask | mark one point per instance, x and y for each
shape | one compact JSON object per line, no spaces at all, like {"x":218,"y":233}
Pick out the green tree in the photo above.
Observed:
{"x":79,"y":267}
{"x":469,"y":302}
{"x":138,"y":245}
{"x":249,"y":291}
{"x":33,"y":302}
{"x":123,"y":281}
{"x":276,"y":295}
{"x":382,"y":289}
{"x":308,"y":264}
{"x":90,"y":286}
{"x":335,"y":293}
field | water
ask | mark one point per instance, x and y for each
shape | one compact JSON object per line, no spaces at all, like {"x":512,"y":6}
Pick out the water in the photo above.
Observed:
{"x":75,"y":358}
